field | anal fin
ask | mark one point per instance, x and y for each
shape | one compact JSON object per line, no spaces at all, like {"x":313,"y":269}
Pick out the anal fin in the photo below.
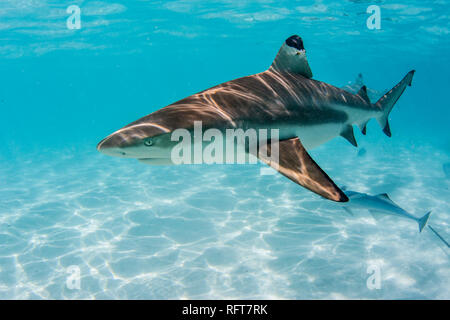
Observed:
{"x":296,"y":164}
{"x":363,"y":127}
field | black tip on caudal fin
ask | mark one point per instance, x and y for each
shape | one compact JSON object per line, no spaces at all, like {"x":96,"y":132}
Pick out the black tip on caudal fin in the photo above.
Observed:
{"x":410,"y":79}
{"x":387,"y":129}
{"x":387,"y":102}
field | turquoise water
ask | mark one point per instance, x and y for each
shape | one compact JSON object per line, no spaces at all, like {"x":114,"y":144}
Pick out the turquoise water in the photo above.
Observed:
{"x":137,"y":231}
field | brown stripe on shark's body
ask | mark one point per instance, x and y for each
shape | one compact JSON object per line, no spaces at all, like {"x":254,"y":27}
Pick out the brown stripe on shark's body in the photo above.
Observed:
{"x":283,"y":97}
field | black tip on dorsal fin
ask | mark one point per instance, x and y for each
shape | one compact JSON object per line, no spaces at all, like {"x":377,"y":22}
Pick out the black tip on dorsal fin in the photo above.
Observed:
{"x":295,"y":42}
{"x":348,"y":134}
{"x":363,"y":94}
{"x":387,"y":129}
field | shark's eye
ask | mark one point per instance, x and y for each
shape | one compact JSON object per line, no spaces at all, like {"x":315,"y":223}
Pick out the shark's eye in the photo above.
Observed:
{"x":148,"y":142}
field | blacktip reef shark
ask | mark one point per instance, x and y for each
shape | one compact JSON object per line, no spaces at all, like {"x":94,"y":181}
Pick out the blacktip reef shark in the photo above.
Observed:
{"x":306,"y":112}
{"x":379,"y":204}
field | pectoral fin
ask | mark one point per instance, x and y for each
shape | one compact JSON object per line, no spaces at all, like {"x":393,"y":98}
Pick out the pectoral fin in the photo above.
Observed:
{"x":296,"y":164}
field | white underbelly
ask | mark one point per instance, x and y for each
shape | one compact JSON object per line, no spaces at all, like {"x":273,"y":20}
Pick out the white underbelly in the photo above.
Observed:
{"x":315,"y":135}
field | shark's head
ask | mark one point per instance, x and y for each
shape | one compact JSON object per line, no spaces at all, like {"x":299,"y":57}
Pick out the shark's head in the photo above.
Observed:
{"x":292,"y":57}
{"x":139,"y":141}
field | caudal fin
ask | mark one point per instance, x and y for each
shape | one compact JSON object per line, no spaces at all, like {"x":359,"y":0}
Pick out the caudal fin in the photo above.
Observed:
{"x":423,"y":221}
{"x":387,"y":102}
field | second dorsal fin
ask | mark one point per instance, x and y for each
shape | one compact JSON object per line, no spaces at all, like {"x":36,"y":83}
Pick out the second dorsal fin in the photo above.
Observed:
{"x":363,"y":94}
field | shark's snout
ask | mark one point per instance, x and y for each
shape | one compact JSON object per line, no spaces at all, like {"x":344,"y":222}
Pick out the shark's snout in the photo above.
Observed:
{"x":106,"y":143}
{"x":112,"y":146}
{"x":118,"y":144}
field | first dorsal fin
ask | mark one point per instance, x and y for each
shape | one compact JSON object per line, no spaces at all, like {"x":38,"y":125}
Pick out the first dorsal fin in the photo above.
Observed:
{"x":363,"y":94}
{"x":385,"y":196}
{"x":295,"y":163}
{"x":292,"y":58}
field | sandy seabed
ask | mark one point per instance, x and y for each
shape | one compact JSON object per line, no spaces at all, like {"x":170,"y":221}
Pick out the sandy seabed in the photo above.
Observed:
{"x":219,"y":232}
